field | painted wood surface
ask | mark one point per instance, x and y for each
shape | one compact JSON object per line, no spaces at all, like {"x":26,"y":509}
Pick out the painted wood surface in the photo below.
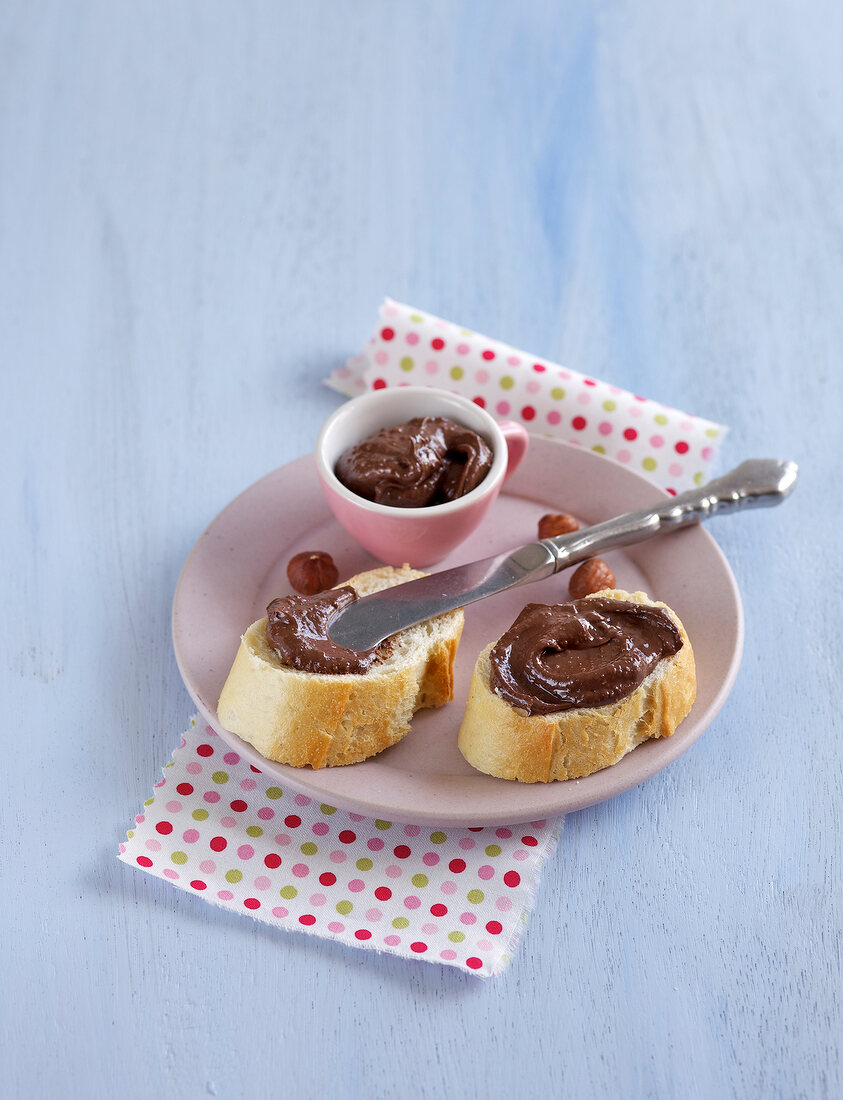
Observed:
{"x":201,"y":206}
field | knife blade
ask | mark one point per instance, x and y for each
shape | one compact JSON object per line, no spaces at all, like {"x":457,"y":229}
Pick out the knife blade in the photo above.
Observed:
{"x":758,"y":482}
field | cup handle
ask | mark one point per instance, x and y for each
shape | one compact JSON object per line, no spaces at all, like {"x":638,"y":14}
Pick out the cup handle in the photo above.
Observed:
{"x":517,"y":442}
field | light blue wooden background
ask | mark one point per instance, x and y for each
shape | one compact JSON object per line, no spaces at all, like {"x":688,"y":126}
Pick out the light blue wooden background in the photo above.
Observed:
{"x":201,"y":206}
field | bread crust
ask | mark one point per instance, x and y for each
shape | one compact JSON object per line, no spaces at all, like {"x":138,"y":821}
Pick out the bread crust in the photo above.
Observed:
{"x":501,"y":740}
{"x":315,"y":720}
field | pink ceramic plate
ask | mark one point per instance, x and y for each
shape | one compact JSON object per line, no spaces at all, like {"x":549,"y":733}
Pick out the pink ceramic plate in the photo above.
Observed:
{"x":239,"y":565}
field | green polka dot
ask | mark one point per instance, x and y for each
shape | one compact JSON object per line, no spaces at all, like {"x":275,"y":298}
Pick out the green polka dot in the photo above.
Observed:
{"x":179,"y":857}
{"x":416,"y":318}
{"x":309,"y":848}
{"x":407,"y":363}
{"x":456,"y":937}
{"x":130,"y":833}
{"x":649,"y":463}
{"x":200,"y":815}
{"x":610,"y":406}
{"x":660,"y":418}
{"x":364,"y":864}
{"x":475,"y":896}
{"x":220,"y":777}
{"x":598,"y":448}
{"x":288,"y":892}
{"x":467,"y":332}
{"x":557,"y":393}
{"x":170,"y":764}
{"x":438,"y":837}
{"x":699,"y":478}
{"x":344,"y":907}
{"x":379,"y":824}
{"x":456,"y":373}
{"x":400,"y":922}
{"x":254,"y":830}
{"x":149,"y":801}
{"x":493,"y":849}
{"x":507,"y":382}
{"x":419,"y":880}
{"x":326,"y":809}
{"x":273,"y":792}
{"x":233,"y":875}
{"x":712,"y":433}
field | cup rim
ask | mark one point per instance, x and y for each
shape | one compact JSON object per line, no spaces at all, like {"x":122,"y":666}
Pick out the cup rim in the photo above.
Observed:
{"x":489,"y":483}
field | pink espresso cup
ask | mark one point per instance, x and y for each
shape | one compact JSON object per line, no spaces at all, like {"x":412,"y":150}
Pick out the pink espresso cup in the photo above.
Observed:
{"x":418,"y":536}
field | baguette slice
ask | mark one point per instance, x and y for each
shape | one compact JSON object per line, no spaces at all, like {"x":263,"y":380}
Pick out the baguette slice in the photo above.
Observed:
{"x":501,"y":740}
{"x":306,"y":718}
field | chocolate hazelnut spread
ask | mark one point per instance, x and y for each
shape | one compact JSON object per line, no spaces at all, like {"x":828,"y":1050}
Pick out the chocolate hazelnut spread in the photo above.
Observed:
{"x":587,"y":653}
{"x":426,"y":460}
{"x":297,"y":629}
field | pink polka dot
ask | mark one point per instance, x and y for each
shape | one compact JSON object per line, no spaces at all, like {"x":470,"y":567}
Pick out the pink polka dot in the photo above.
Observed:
{"x":502,"y":408}
{"x":706,"y":453}
{"x":486,"y":871}
{"x":153,"y":845}
{"x":228,"y":822}
{"x":447,"y":954}
{"x":211,"y":796}
{"x":283,"y":839}
{"x":430,"y":929}
{"x":521,"y":855}
{"x":337,"y":857}
{"x":262,"y":883}
{"x":636,"y":410}
{"x":320,"y":828}
{"x":412,"y":902}
{"x":301,"y":870}
{"x":430,"y":859}
{"x":431,"y":366}
{"x":466,"y":843}
{"x":317,"y":899}
{"x":686,"y":425}
{"x":389,"y":311}
{"x":266,"y":813}
{"x":553,"y":417}
{"x":170,"y":873}
{"x":533,"y":386}
{"x":193,"y":768}
{"x":231,"y":758}
{"x":412,"y":338}
{"x":504,"y":834}
{"x":514,"y":361}
{"x":484,"y":945}
{"x":623,"y":456}
{"x":463,"y":349}
{"x":302,"y":800}
{"x":280,"y":912}
{"x":336,"y":926}
{"x":174,"y":807}
{"x":604,"y":427}
{"x":481,"y":376}
{"x":675,"y":469}
{"x":225,"y":895}
{"x":374,"y":915}
{"x":656,"y":440}
{"x":412,"y":830}
{"x":375,"y":844}
{"x":356,"y":885}
{"x":583,"y":398}
{"x":207,"y":866}
{"x":393,"y":871}
{"x":467,"y":918}
{"x":381,"y":357}
{"x":448,"y":887}
{"x":392,"y":941}
{"x":245,"y":851}
{"x":190,"y":836}
{"x":247,"y":784}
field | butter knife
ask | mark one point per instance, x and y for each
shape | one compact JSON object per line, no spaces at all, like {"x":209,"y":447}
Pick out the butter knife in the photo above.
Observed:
{"x":756,"y":483}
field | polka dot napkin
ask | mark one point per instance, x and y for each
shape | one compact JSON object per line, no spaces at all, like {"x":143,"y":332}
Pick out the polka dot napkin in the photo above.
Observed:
{"x":409,"y":347}
{"x":216,"y":827}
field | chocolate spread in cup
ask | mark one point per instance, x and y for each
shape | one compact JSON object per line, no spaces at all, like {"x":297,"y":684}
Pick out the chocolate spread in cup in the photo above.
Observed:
{"x":587,"y":653}
{"x":426,"y":460}
{"x":297,"y":629}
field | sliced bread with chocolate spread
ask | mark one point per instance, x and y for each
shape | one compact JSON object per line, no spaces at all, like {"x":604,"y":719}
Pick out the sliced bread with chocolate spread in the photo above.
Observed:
{"x":320,"y":719}
{"x":534,"y":744}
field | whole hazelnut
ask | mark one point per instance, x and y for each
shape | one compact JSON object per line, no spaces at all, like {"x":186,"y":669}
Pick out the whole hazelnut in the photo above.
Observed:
{"x":312,"y":571}
{"x":556,"y":523}
{"x":592,"y":576}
